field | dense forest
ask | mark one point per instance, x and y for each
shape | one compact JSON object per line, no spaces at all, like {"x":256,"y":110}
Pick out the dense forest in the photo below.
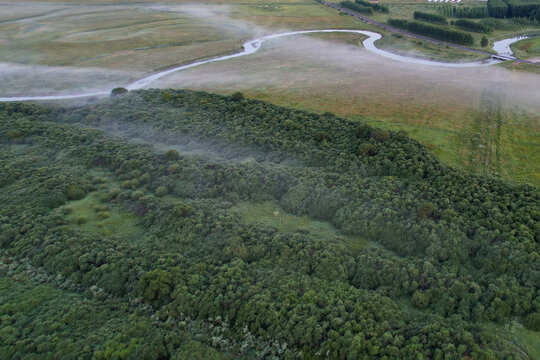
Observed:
{"x":514,"y":9}
{"x":430,"y":17}
{"x":471,"y":25}
{"x":121,"y":237}
{"x":434,"y":31}
{"x":476,"y":12}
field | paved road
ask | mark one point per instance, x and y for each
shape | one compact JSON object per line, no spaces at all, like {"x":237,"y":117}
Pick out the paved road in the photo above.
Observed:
{"x":387,"y":27}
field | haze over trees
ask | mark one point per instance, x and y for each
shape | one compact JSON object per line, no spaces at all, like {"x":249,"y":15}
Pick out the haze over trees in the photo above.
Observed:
{"x":146,"y":239}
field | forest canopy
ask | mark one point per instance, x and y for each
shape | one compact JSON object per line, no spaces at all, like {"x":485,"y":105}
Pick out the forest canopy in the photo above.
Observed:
{"x":125,"y":211}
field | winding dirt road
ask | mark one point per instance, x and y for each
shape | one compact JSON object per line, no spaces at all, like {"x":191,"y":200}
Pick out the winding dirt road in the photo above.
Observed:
{"x":251,"y":47}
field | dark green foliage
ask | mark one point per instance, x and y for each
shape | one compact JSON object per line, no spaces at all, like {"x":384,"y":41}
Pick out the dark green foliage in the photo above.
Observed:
{"x":509,"y":24}
{"x":356,"y":7}
{"x":471,"y":25}
{"x":448,"y":251}
{"x":118,"y":91}
{"x":46,"y":321}
{"x":155,"y":285}
{"x":484,"y":42}
{"x":497,"y":8}
{"x":374,"y":6}
{"x":523,"y":8}
{"x":475,"y":12}
{"x":514,"y":9}
{"x":433,"y":31}
{"x":532,"y":321}
{"x":172,"y":155}
{"x":237,"y":96}
{"x":161,"y":191}
{"x":433,"y":18}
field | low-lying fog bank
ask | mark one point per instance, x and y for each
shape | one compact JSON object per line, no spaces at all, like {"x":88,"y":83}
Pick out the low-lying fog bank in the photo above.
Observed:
{"x":306,"y":65}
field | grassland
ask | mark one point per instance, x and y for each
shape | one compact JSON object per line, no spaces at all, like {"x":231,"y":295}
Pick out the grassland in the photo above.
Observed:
{"x":90,"y":214}
{"x":270,"y":214}
{"x":438,"y":106}
{"x":515,"y":334}
{"x":527,"y":49}
{"x":146,"y":37}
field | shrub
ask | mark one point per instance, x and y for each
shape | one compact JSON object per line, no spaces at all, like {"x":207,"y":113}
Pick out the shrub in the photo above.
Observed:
{"x":161,"y":191}
{"x":172,"y":155}
{"x":155,"y":285}
{"x":118,"y":91}
{"x":183,"y":210}
{"x":237,"y":96}
{"x":74,"y":192}
{"x":102,"y":215}
{"x":173,"y":169}
{"x":484,"y":42}
{"x":380,"y":135}
{"x":532,"y":321}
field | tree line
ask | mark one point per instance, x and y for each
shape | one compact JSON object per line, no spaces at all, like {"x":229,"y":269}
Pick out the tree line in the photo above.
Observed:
{"x":514,"y":8}
{"x":470,"y":12}
{"x":471,"y":25}
{"x":433,"y":18}
{"x":433,"y":31}
{"x":364,"y":7}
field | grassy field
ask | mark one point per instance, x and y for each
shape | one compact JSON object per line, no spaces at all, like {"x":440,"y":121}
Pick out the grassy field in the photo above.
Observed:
{"x":411,"y":47}
{"x":528,"y":342}
{"x":270,"y":214}
{"x":438,"y":106}
{"x":146,"y":37}
{"x":91,"y":214}
{"x":527,"y":49}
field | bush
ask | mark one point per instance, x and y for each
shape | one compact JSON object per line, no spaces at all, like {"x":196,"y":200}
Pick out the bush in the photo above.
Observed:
{"x":74,"y":192}
{"x":484,"y":42}
{"x":118,"y":91}
{"x":183,"y":210}
{"x":173,"y":169}
{"x":356,"y":7}
{"x":532,"y":321}
{"x":434,"y":18}
{"x":161,"y":191}
{"x":172,"y":155}
{"x":237,"y":96}
{"x":102,"y":215}
{"x":155,"y":285}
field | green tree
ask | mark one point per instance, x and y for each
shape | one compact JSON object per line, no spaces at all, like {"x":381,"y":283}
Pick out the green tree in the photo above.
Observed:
{"x":155,"y":285}
{"x":484,"y":42}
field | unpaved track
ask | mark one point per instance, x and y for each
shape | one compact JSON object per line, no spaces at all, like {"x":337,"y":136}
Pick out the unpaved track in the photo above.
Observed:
{"x":251,"y":47}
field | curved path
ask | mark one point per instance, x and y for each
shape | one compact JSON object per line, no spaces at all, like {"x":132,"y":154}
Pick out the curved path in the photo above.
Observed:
{"x":367,"y":20}
{"x":251,"y":47}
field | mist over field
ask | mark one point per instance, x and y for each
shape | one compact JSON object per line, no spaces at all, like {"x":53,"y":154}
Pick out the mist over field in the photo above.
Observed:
{"x":304,"y":63}
{"x":19,"y":80}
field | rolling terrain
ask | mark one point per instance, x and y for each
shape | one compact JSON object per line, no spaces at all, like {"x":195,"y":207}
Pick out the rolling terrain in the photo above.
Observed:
{"x":267,"y":179}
